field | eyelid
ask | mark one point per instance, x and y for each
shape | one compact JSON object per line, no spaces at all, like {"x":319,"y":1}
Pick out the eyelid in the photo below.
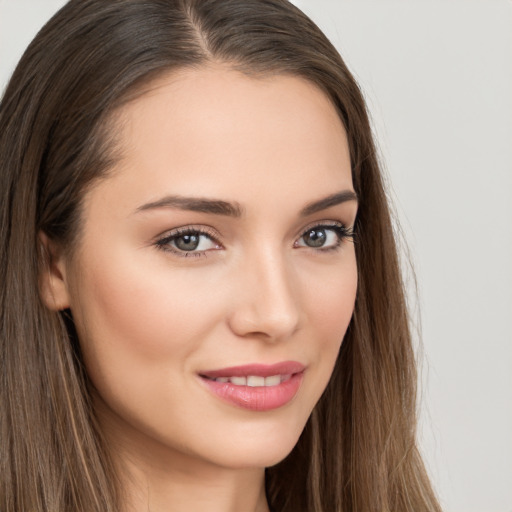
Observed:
{"x":326,"y":224}
{"x":343,"y":232}
{"x":162,"y":241}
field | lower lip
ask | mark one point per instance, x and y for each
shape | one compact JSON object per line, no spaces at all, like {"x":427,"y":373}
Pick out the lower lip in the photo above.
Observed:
{"x":260,"y":398}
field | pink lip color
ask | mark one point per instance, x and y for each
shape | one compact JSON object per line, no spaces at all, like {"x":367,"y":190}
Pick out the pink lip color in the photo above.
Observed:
{"x":260,"y":398}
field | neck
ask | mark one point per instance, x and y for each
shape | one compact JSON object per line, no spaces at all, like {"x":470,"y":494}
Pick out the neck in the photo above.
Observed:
{"x":214,"y":489}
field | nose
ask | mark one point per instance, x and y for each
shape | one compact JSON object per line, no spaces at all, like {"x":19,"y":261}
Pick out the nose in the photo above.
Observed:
{"x":266,"y":303}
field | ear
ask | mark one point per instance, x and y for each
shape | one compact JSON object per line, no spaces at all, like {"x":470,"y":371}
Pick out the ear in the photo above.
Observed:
{"x":52,"y":280}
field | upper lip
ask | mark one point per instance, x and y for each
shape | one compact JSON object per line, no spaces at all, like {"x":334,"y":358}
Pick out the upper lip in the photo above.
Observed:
{"x":260,"y":370}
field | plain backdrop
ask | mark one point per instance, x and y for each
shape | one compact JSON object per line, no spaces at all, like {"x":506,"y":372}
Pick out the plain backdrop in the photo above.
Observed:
{"x":437,"y":76}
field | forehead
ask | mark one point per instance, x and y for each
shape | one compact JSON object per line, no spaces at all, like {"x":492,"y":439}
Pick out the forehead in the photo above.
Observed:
{"x":214,"y":131}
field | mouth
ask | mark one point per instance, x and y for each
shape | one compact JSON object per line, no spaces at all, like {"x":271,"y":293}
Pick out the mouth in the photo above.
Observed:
{"x":253,"y":381}
{"x":256,"y":387}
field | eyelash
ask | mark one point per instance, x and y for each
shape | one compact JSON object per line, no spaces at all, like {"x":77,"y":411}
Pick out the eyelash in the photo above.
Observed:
{"x":164,"y":243}
{"x":341,"y":231}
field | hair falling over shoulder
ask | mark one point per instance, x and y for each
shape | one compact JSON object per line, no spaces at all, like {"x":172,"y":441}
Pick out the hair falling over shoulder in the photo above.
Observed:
{"x":358,"y":451}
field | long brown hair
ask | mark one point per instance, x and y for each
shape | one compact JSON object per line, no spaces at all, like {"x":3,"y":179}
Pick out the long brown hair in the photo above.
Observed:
{"x":358,"y":450}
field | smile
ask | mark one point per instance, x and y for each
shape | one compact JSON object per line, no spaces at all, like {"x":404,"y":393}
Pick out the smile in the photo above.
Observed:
{"x":256,"y":387}
{"x":254,"y":381}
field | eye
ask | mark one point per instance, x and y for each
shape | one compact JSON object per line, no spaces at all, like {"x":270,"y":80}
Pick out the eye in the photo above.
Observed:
{"x":187,"y":242}
{"x":324,"y":236}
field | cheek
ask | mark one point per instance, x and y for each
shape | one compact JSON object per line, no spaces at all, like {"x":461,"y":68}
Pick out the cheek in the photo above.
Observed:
{"x":118,"y":307}
{"x":331,"y":297}
{"x":330,"y":305}
{"x":133,"y":317}
{"x":140,"y":332}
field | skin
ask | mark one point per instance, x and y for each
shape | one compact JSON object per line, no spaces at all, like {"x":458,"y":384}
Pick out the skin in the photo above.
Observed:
{"x":150,"y":320}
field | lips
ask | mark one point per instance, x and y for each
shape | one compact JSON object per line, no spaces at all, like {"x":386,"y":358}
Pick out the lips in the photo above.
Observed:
{"x":256,"y":387}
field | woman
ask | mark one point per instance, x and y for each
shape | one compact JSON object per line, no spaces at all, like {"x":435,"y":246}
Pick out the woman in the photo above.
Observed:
{"x":202,"y":306}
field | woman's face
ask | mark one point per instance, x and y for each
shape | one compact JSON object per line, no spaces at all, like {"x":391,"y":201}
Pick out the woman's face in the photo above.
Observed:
{"x":216,"y":275}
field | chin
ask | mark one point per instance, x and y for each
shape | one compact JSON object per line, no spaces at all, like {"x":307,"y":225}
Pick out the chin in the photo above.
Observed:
{"x":257,"y":450}
{"x":256,"y":456}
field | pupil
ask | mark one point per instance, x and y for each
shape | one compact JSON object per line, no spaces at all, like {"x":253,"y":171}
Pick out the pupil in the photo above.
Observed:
{"x":315,"y":238}
{"x":187,"y":242}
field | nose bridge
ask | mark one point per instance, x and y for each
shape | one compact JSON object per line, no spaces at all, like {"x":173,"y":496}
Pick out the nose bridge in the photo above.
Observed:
{"x":266,"y":303}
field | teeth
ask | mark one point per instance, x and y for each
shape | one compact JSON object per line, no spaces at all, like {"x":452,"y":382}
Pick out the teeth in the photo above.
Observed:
{"x":274,"y":380}
{"x":254,"y":381}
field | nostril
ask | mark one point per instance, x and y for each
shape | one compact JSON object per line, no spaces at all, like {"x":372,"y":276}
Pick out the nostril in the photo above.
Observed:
{"x":249,"y":322}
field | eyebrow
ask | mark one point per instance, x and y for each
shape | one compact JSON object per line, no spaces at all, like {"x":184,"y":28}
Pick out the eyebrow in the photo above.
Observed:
{"x":219,"y":207}
{"x":195,"y":204}
{"x":327,"y":202}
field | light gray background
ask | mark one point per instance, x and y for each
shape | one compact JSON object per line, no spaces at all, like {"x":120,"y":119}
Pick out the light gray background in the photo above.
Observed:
{"x":438,"y":80}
